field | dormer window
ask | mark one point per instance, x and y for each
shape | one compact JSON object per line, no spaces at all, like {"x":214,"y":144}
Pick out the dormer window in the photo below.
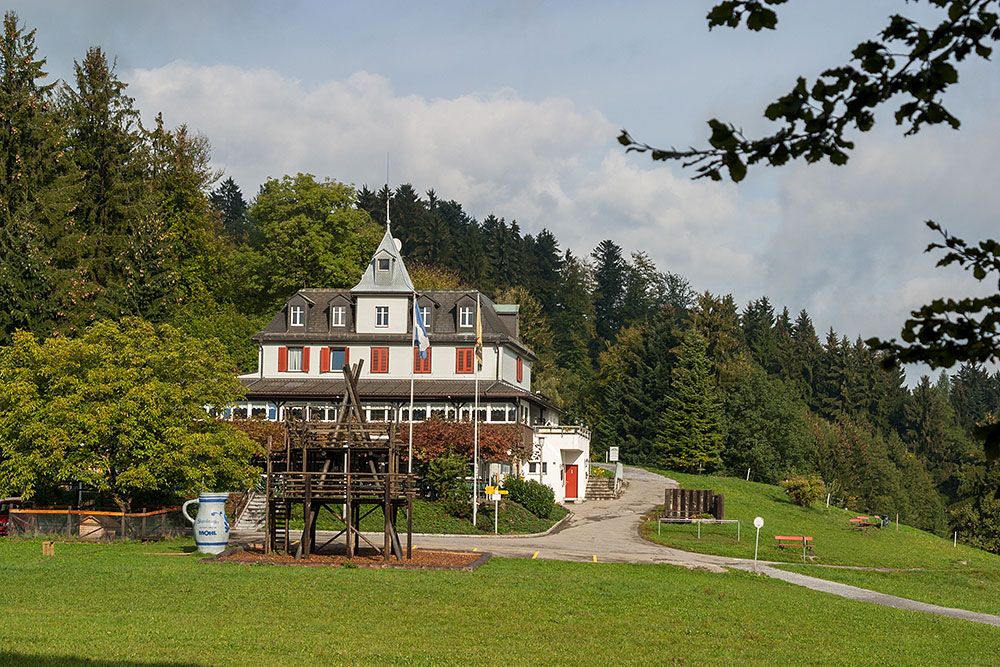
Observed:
{"x":338,"y":316}
{"x":382,"y":315}
{"x":425,"y":315}
{"x":296,"y":316}
{"x":382,"y":265}
{"x":465,"y":316}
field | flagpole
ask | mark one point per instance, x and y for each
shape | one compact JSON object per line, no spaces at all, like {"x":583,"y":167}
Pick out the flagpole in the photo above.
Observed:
{"x":413,"y":353}
{"x":475,"y":446}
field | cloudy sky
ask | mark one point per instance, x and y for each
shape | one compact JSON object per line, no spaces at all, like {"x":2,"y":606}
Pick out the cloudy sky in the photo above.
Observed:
{"x":512,"y":107}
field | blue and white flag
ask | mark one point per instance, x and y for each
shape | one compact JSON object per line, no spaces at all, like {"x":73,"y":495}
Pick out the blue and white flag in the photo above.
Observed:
{"x":420,"y":338}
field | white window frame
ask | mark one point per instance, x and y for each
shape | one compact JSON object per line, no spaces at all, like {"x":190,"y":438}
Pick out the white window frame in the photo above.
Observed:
{"x":425,"y":313}
{"x":297,"y":316}
{"x":379,"y":320}
{"x":338,"y":316}
{"x":465,"y":317}
{"x":294,"y":360}
{"x":379,"y":263}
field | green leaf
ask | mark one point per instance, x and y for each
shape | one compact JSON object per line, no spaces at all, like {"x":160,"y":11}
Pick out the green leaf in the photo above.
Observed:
{"x":737,"y":170}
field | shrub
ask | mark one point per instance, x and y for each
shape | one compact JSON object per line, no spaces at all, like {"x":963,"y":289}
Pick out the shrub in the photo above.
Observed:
{"x":457,"y":502}
{"x":804,"y":491}
{"x":444,"y":477}
{"x":533,"y":496}
{"x":445,"y":473}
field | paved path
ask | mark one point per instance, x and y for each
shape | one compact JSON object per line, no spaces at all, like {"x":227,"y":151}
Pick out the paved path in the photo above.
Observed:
{"x":603,"y":530}
{"x":607,"y":531}
{"x":865,"y":595}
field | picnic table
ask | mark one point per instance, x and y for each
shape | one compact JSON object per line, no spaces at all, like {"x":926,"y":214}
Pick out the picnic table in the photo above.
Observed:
{"x":863,"y":523}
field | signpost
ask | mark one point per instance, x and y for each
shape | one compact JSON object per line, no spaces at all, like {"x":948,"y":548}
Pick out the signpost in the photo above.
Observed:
{"x":495,"y":493}
{"x":613,"y":454}
{"x":758,"y":523}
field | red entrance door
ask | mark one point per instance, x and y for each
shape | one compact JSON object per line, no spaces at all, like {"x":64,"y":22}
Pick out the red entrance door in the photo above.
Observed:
{"x":571,"y":483}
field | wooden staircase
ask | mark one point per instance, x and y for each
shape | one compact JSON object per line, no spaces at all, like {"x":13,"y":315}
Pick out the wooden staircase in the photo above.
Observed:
{"x":252,"y":517}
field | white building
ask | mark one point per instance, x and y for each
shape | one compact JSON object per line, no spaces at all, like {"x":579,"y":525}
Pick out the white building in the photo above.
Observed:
{"x":305,"y":346}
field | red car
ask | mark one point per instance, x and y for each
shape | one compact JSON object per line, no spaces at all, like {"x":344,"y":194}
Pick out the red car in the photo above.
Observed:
{"x":6,"y":504}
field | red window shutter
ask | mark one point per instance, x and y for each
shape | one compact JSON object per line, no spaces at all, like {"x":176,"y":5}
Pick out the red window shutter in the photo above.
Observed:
{"x":463,"y":360}
{"x":305,"y":359}
{"x":421,"y":365}
{"x":347,"y":356}
{"x":520,"y":370}
{"x":324,"y":360}
{"x":282,"y":359}
{"x":380,"y":360}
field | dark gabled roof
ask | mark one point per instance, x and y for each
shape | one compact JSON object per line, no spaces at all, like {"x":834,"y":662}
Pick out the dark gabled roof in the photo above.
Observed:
{"x":443,"y":324}
{"x":372,"y":389}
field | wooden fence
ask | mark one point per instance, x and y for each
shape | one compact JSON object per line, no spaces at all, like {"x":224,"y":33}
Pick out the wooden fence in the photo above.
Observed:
{"x":690,"y":503}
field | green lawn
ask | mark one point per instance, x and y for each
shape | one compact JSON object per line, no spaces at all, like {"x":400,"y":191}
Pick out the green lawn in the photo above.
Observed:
{"x":964,"y":587}
{"x":120,"y":604}
{"x":952,"y":576}
{"x":835,"y":542}
{"x":430,"y":517}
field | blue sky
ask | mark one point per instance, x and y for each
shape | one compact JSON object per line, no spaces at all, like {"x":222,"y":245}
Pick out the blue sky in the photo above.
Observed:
{"x":513,"y":108}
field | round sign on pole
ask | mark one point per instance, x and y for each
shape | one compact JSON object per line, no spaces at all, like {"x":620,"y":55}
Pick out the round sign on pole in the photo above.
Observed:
{"x":758,"y":523}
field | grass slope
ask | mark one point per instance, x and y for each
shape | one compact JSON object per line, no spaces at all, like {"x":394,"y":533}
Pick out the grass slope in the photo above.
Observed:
{"x":120,"y":604}
{"x":960,"y":576}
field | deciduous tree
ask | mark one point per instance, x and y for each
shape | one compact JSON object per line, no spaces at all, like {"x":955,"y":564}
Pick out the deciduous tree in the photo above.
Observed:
{"x":122,"y":409}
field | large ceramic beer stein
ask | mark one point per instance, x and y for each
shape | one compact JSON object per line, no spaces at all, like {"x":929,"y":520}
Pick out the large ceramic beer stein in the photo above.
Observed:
{"x":211,"y":527}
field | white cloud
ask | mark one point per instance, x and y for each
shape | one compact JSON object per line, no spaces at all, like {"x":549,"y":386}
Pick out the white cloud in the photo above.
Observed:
{"x":850,"y":245}
{"x":845,"y":243}
{"x":545,"y":163}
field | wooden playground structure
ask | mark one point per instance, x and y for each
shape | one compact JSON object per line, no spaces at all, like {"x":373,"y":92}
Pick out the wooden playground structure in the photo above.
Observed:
{"x":349,"y":468}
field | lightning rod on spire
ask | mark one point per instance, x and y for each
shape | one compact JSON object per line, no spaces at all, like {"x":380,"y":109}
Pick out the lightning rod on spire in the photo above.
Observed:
{"x":387,"y":193}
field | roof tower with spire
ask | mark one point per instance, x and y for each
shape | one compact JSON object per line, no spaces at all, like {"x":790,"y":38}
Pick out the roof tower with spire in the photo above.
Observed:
{"x":386,"y":271}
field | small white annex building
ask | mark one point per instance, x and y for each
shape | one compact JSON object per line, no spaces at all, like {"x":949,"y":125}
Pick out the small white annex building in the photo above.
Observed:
{"x":304,"y":347}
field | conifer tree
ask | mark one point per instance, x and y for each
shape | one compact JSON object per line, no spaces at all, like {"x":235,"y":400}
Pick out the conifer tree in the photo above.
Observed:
{"x":195,"y":237}
{"x":934,"y":434}
{"x":227,"y":199}
{"x":690,"y":435}
{"x":717,"y":321}
{"x":547,"y":263}
{"x":123,"y":246}
{"x":974,"y":394}
{"x":574,"y":317}
{"x":757,"y":323}
{"x":609,"y":291}
{"x":408,"y":213}
{"x":806,"y":355}
{"x":38,"y":186}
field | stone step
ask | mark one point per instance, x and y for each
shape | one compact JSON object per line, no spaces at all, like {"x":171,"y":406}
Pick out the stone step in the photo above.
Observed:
{"x":601,"y":488}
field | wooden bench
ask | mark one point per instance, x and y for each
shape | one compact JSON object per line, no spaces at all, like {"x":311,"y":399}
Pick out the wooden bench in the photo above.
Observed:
{"x":793,"y":541}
